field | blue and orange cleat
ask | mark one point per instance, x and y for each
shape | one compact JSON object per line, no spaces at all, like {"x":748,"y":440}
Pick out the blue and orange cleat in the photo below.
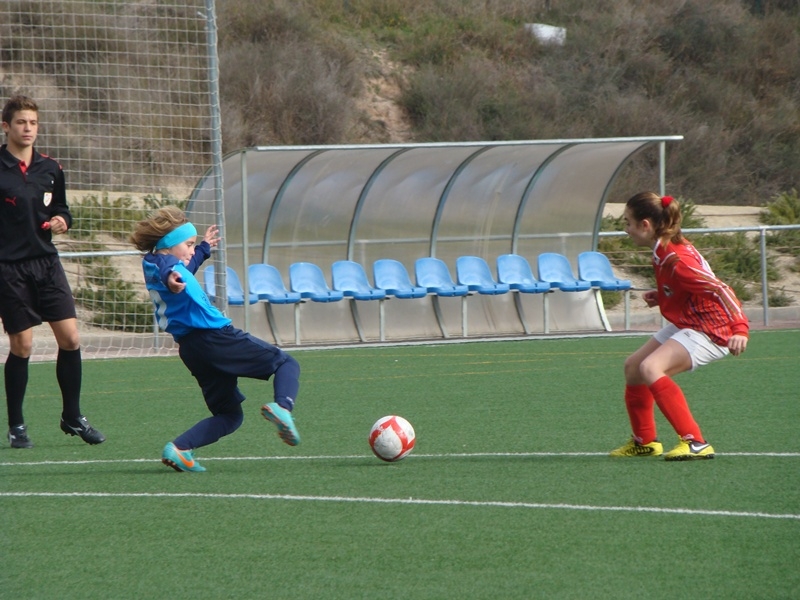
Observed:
{"x":180,"y":460}
{"x":283,"y":420}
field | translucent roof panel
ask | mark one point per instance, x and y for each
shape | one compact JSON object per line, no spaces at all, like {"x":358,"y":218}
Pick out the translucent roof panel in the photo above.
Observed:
{"x":561,"y":210}
{"x":479,"y":209}
{"x":313,"y":211}
{"x":397,"y":216}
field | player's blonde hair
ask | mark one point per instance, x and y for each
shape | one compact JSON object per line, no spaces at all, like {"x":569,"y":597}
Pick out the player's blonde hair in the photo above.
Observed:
{"x":147,"y":232}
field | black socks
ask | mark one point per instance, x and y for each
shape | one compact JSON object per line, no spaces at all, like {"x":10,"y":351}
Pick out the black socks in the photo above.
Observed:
{"x":16,"y":380}
{"x":68,"y":373}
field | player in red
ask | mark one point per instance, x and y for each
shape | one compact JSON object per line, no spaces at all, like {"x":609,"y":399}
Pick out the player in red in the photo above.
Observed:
{"x":706,"y":323}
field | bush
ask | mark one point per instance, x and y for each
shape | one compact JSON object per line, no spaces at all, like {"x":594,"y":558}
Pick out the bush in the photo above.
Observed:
{"x":720,"y":73}
{"x":611,"y":299}
{"x":115,"y":304}
{"x":784,"y":209}
{"x":282,"y":80}
{"x":779,"y":298}
{"x":468,"y":101}
{"x":734,"y":255}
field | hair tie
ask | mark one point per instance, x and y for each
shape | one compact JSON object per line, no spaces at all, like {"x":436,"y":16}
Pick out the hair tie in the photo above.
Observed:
{"x":176,"y":236}
{"x":665,"y":200}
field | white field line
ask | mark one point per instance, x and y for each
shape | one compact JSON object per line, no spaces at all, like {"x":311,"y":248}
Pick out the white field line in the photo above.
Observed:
{"x":416,"y":501}
{"x":356,"y":456}
{"x":412,"y":501}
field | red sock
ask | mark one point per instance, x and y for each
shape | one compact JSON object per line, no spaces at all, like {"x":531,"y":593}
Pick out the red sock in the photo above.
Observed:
{"x":672,"y":402}
{"x":639,"y":402}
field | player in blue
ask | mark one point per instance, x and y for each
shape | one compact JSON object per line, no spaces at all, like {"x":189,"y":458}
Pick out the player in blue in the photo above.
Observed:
{"x":214,"y":351}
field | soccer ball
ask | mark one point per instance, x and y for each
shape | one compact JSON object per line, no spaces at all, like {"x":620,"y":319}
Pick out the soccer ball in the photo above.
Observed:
{"x":392,"y":438}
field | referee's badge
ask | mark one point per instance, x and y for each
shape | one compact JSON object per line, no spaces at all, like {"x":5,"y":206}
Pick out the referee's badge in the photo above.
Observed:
{"x":48,"y":198}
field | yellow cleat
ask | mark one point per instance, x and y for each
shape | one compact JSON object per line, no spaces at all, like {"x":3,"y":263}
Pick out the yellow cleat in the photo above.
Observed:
{"x":690,"y":450}
{"x":634,"y":448}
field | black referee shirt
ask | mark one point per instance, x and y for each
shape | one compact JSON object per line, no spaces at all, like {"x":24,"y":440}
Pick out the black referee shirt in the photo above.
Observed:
{"x":26,"y":201}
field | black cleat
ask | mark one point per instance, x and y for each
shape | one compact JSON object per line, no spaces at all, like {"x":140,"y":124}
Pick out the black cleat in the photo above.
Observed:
{"x":81,"y":427}
{"x":18,"y":437}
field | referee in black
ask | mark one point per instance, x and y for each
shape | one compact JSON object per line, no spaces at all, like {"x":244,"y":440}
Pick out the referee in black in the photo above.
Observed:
{"x":33,"y":286}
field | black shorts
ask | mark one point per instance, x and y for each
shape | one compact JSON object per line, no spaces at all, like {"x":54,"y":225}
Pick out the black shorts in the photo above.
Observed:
{"x":34,"y":291}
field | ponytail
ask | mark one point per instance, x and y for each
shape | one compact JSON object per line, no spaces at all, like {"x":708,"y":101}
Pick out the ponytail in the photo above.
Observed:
{"x":664,"y":212}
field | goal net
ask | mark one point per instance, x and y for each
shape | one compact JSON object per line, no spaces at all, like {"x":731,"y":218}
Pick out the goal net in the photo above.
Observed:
{"x":127,"y":104}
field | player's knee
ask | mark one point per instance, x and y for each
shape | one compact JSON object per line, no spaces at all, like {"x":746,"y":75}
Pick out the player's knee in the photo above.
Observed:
{"x":650,"y":371}
{"x":20,"y":346}
{"x":69,"y":341}
{"x":232,"y":420}
{"x":290,"y":367}
{"x":632,"y":371}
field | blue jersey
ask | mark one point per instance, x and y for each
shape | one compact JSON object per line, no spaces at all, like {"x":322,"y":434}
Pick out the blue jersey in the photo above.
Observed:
{"x":188,"y":310}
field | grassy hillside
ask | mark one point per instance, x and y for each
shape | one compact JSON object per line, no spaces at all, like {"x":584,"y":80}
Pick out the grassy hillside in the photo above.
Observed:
{"x":723,"y":73}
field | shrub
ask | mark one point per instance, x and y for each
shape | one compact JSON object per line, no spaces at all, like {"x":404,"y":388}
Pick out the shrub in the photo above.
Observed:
{"x":734,"y":255}
{"x":116,"y":305}
{"x":466,"y":102}
{"x":282,"y":80}
{"x":784,"y":209}
{"x":99,"y":214}
{"x":779,"y":298}
{"x":700,"y":31}
{"x":611,"y":299}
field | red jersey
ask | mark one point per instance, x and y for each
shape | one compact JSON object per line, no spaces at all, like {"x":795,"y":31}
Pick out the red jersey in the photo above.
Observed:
{"x":692,"y":297}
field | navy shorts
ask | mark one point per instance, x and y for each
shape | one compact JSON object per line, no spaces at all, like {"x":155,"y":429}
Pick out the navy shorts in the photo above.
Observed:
{"x":34,"y":291}
{"x":218,"y":357}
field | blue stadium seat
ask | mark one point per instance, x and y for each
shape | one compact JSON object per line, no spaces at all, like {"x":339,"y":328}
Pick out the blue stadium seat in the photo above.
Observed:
{"x":308,"y":279}
{"x":555,"y":269}
{"x":595,"y":268}
{"x":234,"y":287}
{"x":433,"y":274}
{"x":350,"y":278}
{"x":266,"y":283}
{"x":473,"y":272}
{"x":515,"y":270}
{"x":391,"y":275}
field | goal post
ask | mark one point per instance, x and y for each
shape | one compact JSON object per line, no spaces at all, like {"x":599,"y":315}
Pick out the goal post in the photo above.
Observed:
{"x":129,"y":105}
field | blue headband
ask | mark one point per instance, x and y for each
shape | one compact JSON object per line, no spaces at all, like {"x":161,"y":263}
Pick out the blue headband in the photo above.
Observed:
{"x":176,"y":236}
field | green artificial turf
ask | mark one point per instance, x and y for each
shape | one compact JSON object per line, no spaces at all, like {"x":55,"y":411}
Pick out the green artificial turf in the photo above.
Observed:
{"x":508,"y":493}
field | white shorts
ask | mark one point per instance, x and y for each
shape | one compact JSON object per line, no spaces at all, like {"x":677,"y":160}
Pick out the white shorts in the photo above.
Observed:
{"x":697,"y":344}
